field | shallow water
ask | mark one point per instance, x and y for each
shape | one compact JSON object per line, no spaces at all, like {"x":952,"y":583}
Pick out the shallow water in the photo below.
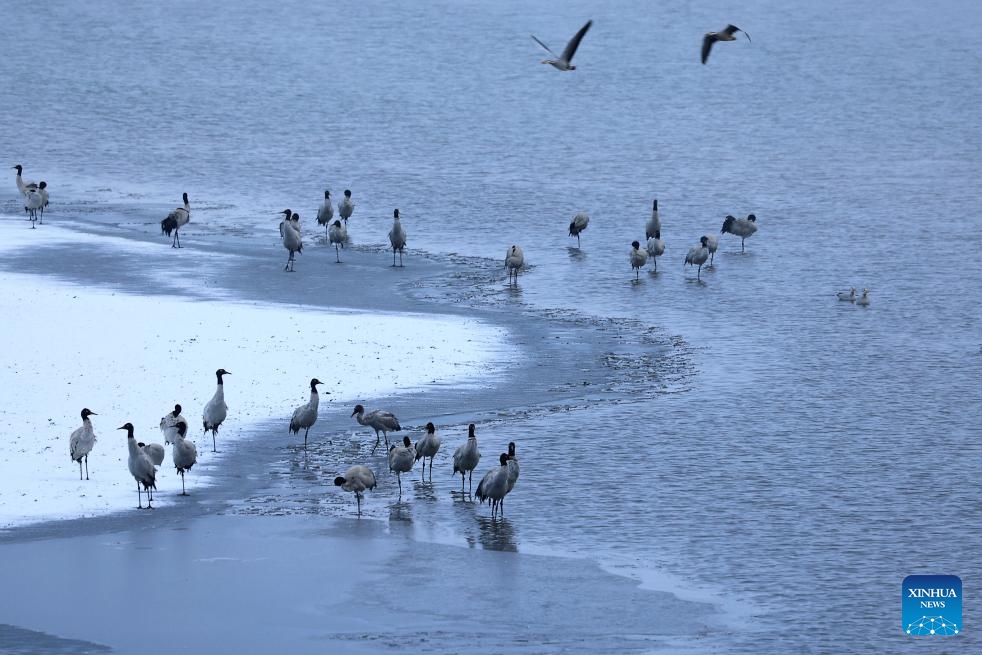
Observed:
{"x":745,"y":435}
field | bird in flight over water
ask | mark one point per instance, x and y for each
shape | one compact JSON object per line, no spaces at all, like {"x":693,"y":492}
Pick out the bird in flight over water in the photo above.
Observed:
{"x":713,"y":37}
{"x":563,"y":62}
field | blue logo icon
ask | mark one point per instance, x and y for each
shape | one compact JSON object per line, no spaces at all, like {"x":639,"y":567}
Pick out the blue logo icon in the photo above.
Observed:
{"x":932,"y":605}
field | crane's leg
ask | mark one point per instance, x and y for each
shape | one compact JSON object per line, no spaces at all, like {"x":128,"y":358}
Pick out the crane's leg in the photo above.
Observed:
{"x":80,"y":469}
{"x":214,"y":449}
{"x":377,"y":439}
{"x":149,"y":499}
{"x":742,"y":247}
{"x":399,"y":478}
{"x":337,"y":253}
{"x":139,"y":496}
{"x":305,"y":438}
{"x":86,"y":467}
{"x":400,"y":257}
{"x":183,"y":490}
{"x":358,"y":498}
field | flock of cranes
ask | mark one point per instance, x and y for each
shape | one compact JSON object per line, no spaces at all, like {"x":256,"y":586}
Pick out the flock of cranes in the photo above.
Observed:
{"x":291,"y":233}
{"x":144,"y":458}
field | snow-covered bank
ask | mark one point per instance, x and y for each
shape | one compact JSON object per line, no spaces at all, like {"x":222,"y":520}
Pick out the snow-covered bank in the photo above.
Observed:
{"x":129,"y":358}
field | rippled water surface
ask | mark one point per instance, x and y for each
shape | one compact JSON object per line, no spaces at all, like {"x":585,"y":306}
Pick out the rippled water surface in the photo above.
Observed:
{"x":745,"y":437}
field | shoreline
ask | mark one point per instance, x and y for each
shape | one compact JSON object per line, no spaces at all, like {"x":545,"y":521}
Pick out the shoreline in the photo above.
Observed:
{"x":129,"y":357}
{"x":279,"y":480}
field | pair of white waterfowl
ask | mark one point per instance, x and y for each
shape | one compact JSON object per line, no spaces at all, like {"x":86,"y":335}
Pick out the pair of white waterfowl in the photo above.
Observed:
{"x":850,"y":296}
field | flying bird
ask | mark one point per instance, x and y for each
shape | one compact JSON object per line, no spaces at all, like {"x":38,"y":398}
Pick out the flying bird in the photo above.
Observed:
{"x":563,"y":62}
{"x":724,"y":35}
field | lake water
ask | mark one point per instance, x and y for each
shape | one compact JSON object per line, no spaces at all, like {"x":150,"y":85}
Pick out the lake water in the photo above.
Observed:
{"x":753,"y":441}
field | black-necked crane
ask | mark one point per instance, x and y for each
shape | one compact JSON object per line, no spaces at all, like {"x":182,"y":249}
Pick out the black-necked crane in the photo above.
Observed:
{"x":577,"y":225}
{"x":141,"y":468}
{"x":494,"y":486}
{"x":154,"y":451}
{"x":305,"y":416}
{"x":514,"y":261}
{"x":184,"y":453}
{"x":346,"y":207}
{"x":81,"y":442}
{"x":23,"y":185}
{"x":337,"y":235}
{"x":169,"y":421}
{"x":466,"y":458}
{"x":33,"y":201}
{"x":401,"y":459}
{"x":653,"y":225}
{"x":397,"y":237}
{"x":428,"y":446}
{"x":379,"y":420}
{"x":216,"y":410}
{"x":290,"y":231}
{"x":655,"y":248}
{"x":357,"y":479}
{"x":175,"y":221}
{"x":741,"y":227}
{"x":698,"y":255}
{"x":513,"y":467}
{"x":712,"y":244}
{"x":325,"y":213}
{"x":639,"y":258}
